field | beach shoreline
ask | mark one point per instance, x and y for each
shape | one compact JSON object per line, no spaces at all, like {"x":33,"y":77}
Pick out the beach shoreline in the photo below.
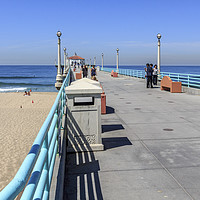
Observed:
{"x":21,"y":117}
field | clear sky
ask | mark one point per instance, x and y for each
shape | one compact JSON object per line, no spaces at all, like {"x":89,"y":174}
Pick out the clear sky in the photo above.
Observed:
{"x":92,"y":27}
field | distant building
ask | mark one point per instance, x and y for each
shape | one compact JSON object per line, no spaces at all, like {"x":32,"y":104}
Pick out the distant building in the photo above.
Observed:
{"x":76,"y":60}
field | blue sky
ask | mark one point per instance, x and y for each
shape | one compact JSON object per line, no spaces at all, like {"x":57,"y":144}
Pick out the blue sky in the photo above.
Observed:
{"x":90,"y":27}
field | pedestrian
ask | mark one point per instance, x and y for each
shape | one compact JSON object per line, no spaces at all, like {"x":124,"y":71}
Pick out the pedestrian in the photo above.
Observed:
{"x":155,"y":75}
{"x":93,"y":73}
{"x":149,"y":73}
{"x":85,"y":71}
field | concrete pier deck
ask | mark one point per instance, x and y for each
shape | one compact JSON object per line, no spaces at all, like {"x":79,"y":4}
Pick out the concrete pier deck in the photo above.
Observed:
{"x":152,"y":146}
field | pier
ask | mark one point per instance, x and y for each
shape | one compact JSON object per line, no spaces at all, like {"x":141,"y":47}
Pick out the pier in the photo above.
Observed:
{"x":151,"y":139}
{"x":151,"y":142}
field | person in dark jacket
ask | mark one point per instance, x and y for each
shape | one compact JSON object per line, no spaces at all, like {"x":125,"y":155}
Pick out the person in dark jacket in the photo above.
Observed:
{"x":85,"y":71}
{"x":149,"y":73}
{"x":93,"y":73}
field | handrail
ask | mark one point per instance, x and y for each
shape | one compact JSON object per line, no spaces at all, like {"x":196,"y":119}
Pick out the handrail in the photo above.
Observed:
{"x":189,"y":80}
{"x":38,"y":164}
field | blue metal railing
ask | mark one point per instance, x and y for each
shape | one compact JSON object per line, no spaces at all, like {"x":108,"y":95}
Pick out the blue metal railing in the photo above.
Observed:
{"x":127,"y":72}
{"x":37,"y":168}
{"x":189,"y":80}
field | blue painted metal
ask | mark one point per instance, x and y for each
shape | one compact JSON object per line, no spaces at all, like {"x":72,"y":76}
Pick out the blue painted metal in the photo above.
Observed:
{"x":39,"y":163}
{"x":189,"y":80}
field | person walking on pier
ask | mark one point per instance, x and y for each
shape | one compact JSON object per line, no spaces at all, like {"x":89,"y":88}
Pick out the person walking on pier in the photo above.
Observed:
{"x":93,"y":73}
{"x":155,"y":75}
{"x":149,"y":73}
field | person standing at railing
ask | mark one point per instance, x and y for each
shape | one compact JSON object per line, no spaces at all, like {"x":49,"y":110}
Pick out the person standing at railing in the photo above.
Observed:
{"x":155,"y":75}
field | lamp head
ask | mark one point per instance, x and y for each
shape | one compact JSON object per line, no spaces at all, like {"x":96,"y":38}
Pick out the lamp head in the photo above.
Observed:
{"x":158,"y":35}
{"x":64,"y":49}
{"x":59,"y":33}
{"x":117,"y":50}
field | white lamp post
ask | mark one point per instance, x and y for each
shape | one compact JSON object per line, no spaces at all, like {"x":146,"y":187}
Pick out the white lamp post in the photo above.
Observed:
{"x":102,"y":61}
{"x":59,"y":78}
{"x":64,"y":71}
{"x":94,"y":61}
{"x":67,"y":62}
{"x":158,"y":61}
{"x":117,"y":60}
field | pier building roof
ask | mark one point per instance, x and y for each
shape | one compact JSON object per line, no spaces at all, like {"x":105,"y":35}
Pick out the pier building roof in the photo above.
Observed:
{"x":75,"y":57}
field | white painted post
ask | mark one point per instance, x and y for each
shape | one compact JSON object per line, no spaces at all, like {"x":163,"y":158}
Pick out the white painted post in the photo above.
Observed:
{"x":94,"y":61}
{"x":67,"y":62}
{"x":117,"y":61}
{"x":64,"y":70}
{"x":158,"y":60}
{"x":59,"y":77}
{"x":102,"y":61}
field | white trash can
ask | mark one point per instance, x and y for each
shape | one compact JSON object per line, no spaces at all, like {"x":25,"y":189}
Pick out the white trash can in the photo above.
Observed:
{"x":84,"y":117}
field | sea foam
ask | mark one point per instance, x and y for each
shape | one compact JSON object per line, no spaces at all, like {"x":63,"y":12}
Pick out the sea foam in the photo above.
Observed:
{"x":12,"y":89}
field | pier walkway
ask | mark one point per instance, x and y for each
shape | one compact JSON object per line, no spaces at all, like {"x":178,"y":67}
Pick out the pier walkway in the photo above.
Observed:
{"x":152,"y":146}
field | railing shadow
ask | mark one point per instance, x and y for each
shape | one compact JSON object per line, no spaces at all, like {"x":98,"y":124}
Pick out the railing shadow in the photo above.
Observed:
{"x":82,"y":178}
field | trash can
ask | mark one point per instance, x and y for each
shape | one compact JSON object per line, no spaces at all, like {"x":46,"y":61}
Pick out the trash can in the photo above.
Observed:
{"x":103,"y":95}
{"x":83,"y":117}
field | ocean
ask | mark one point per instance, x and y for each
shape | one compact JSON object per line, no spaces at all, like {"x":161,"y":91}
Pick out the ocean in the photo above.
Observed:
{"x":38,"y":78}
{"x":42,"y":78}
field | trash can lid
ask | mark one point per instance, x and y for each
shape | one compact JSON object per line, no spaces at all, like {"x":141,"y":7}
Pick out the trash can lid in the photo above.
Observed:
{"x":83,"y":87}
{"x":86,"y":80}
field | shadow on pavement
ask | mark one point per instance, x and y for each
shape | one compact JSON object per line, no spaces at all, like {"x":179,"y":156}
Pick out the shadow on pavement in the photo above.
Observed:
{"x":81,"y":174}
{"x":111,"y":127}
{"x":109,"y":110}
{"x":115,"y":142}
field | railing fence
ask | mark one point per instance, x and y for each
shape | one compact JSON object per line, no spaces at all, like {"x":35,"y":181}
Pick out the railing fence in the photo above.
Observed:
{"x":189,"y":80}
{"x":37,"y":168}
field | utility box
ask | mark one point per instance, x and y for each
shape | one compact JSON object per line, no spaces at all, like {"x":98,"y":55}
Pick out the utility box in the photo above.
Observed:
{"x":83,"y":117}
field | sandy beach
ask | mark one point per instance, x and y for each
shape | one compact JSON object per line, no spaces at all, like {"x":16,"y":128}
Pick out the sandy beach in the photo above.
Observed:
{"x":21,"y":118}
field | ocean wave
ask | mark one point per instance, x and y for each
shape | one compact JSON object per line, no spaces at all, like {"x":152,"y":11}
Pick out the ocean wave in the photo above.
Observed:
{"x":25,"y":84}
{"x":19,"y":77}
{"x":12,"y":89}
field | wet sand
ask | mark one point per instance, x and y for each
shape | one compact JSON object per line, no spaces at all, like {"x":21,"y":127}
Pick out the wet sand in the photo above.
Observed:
{"x":21,"y":118}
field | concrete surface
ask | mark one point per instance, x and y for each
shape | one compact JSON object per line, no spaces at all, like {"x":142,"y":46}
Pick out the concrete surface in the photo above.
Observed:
{"x":152,"y":146}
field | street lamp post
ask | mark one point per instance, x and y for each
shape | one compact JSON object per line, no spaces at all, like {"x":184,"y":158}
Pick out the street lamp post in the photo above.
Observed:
{"x":158,"y":61}
{"x":59,"y":78}
{"x":90,"y":64}
{"x":67,"y":62}
{"x":102,"y":61}
{"x":64,"y":71}
{"x":117,"y":60}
